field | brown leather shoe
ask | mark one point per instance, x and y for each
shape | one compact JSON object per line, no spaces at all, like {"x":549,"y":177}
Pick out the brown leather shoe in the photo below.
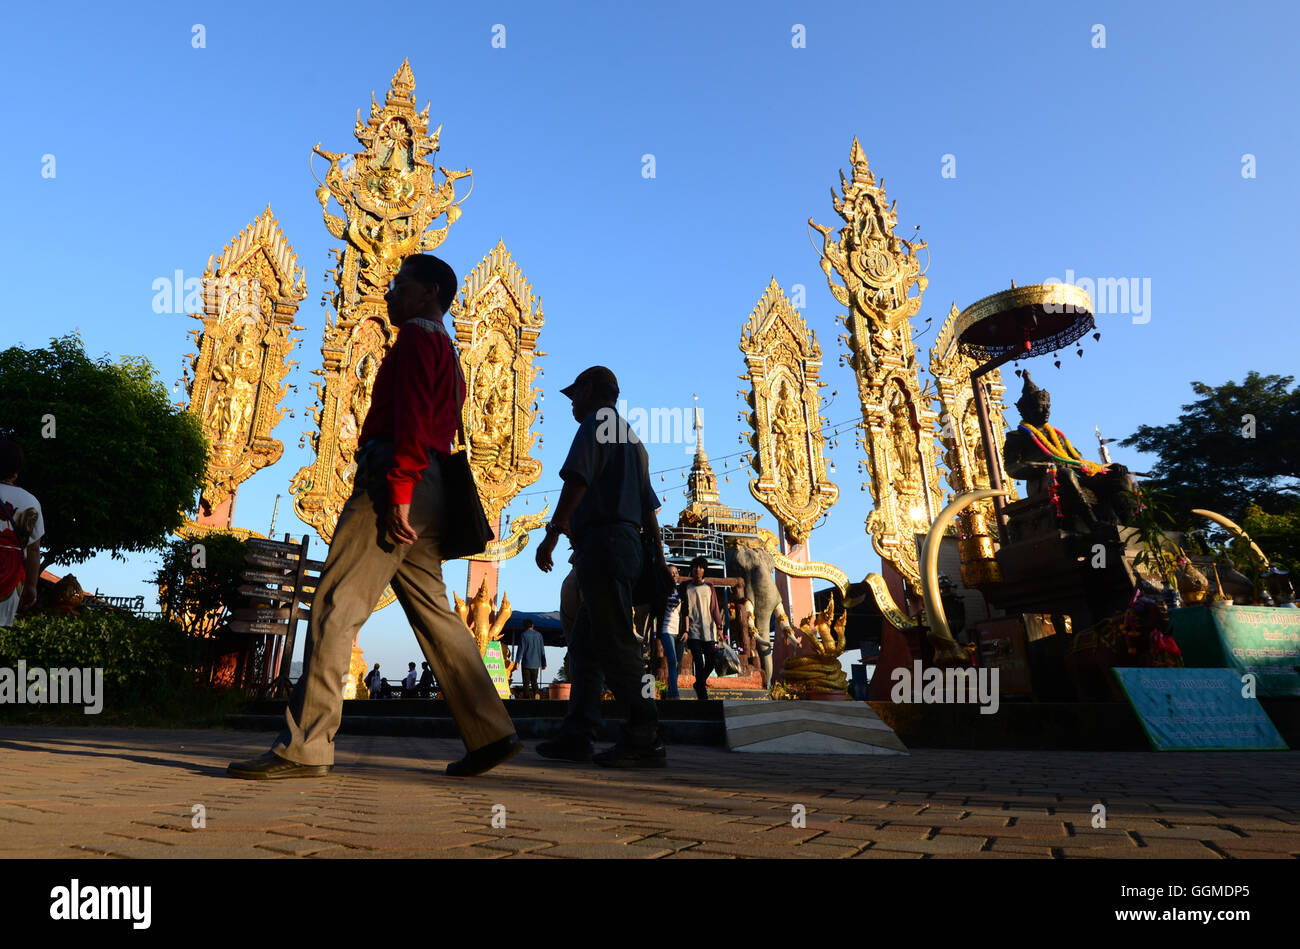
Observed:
{"x":271,"y":767}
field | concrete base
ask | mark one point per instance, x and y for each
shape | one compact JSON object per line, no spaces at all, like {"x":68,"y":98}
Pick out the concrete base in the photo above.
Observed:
{"x":1056,"y":726}
{"x":808,"y":728}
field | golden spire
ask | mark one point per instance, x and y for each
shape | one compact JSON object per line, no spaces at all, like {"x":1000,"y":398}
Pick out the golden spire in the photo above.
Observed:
{"x":702,"y":485}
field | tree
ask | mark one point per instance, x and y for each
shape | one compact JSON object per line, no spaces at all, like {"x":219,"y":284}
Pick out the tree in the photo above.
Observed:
{"x":114,"y":464}
{"x":1236,"y":445}
{"x":199,"y":580}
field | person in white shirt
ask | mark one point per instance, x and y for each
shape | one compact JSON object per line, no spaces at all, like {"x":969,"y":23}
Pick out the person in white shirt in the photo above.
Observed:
{"x":22,"y":526}
{"x":408,"y":684}
{"x":668,"y":635}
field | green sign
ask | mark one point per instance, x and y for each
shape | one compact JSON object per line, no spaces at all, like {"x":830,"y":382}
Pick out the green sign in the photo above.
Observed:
{"x":1260,"y":640}
{"x":1197,"y":710}
{"x":496,"y":667}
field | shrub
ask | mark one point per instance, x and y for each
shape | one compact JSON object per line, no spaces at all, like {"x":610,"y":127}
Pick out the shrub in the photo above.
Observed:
{"x":149,"y":664}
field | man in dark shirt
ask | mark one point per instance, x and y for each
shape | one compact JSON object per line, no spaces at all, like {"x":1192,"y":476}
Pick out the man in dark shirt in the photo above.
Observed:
{"x":532,"y":658}
{"x":606,"y":503}
{"x":388,"y":532}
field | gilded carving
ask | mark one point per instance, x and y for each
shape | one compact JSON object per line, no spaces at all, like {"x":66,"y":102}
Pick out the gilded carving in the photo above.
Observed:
{"x":497,"y":321}
{"x":964,"y":458}
{"x":390,"y":198}
{"x":250,"y":295}
{"x":784,"y":361}
{"x":873,"y":272}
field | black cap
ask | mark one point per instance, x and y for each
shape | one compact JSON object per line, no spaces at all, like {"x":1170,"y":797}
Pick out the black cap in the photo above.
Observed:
{"x":598,"y":376}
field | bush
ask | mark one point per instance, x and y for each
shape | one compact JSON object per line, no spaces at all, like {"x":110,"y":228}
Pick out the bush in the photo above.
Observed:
{"x":149,"y":666}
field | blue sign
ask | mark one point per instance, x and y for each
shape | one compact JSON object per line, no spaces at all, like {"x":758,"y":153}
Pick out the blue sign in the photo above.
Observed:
{"x":1198,"y":710}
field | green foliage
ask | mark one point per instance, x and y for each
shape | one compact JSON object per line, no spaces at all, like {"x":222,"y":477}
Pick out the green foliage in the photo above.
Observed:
{"x":147,"y":663}
{"x":198,"y":597}
{"x":1278,"y":535}
{"x":1206,"y":460}
{"x":124,"y":466}
{"x":1151,"y":518}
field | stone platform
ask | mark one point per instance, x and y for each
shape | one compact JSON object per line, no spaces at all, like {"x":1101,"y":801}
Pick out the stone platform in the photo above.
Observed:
{"x":1079,"y":726}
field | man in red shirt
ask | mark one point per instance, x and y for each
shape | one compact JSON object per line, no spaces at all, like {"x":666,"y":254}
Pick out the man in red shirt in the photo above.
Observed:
{"x":388,"y":533}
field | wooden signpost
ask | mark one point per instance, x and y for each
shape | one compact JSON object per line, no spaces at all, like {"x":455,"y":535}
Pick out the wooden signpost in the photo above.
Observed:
{"x":276,"y":584}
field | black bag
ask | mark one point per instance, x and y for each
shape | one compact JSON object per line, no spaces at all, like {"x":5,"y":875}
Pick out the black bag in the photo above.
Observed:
{"x":653,"y":584}
{"x":465,"y":529}
{"x":727,"y":659}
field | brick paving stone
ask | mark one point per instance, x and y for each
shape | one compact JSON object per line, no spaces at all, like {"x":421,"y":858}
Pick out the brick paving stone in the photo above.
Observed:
{"x":1276,"y":843}
{"x":516,"y":845}
{"x":877,"y":854}
{"x":953,"y":846}
{"x":607,"y":851}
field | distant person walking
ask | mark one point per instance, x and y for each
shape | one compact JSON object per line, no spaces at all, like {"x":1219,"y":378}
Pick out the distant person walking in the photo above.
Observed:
{"x":532,"y":658}
{"x":408,"y":683}
{"x":668,"y":637}
{"x":425,"y":688}
{"x":21,"y":528}
{"x":372,"y":682}
{"x":702,"y":618}
{"x":388,"y":532}
{"x":606,"y":503}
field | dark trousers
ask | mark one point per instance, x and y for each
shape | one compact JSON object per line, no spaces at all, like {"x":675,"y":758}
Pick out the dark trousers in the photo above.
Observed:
{"x":530,"y":683}
{"x":702,"y":665}
{"x":604,"y":645}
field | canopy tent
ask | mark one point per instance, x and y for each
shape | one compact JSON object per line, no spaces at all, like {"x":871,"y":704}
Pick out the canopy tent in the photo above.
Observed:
{"x":548,"y":624}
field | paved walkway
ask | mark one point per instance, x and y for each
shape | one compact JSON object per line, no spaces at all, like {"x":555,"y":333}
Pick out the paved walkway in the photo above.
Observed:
{"x":132,"y":793}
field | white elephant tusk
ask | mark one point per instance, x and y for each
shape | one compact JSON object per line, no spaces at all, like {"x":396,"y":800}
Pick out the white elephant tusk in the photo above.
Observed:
{"x":940,"y":635}
{"x":1236,"y":531}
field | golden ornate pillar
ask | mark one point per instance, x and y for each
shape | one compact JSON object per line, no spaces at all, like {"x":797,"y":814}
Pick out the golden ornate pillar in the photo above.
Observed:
{"x":497,"y":321}
{"x":783,"y":360}
{"x":872,"y":272}
{"x":964,"y":458}
{"x":390,"y":198}
{"x":251,"y":293}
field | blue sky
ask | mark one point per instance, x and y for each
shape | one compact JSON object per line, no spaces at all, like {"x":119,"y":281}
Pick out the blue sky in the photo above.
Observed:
{"x":1122,"y":161}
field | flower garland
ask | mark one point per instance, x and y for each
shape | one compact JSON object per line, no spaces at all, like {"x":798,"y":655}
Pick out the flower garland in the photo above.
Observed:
{"x":1053,"y":443}
{"x":1054,"y":492}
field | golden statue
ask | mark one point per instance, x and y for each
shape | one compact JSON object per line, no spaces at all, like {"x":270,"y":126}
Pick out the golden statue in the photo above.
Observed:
{"x":821,"y":670}
{"x":902,"y":451}
{"x":390,"y":199}
{"x":250,"y":296}
{"x":876,"y":273}
{"x":784,"y":361}
{"x":485,"y":623}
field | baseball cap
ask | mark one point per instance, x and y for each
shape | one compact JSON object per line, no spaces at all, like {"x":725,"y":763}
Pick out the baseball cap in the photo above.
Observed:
{"x":598,"y":376}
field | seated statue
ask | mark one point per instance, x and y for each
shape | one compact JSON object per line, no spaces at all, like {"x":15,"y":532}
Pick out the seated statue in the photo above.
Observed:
{"x":1087,"y":494}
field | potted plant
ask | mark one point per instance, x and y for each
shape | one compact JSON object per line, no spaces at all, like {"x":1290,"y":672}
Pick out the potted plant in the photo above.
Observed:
{"x":560,"y":686}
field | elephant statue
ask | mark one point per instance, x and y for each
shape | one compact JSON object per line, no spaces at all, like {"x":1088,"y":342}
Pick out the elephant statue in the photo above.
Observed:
{"x":755,"y":564}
